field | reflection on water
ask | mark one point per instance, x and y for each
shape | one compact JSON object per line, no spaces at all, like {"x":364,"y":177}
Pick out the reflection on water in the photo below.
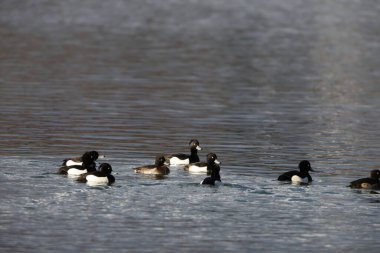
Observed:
{"x":264,"y":84}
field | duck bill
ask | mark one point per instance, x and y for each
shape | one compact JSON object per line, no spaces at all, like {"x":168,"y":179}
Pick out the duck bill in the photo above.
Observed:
{"x":199,"y":148}
{"x":311,"y":169}
{"x":216,"y":161}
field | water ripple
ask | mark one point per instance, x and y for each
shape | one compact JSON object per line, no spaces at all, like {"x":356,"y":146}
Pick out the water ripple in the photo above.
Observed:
{"x":264,"y":84}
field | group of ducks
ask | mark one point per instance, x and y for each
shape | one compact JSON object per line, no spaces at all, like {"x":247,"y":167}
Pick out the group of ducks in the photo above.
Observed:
{"x":189,"y":163}
{"x":84,"y":168}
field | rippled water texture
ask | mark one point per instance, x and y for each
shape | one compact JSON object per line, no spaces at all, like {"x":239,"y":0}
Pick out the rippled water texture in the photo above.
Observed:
{"x":263,"y":84}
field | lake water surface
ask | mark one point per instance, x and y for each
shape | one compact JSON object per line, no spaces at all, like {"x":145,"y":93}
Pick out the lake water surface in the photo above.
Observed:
{"x":263,"y":84}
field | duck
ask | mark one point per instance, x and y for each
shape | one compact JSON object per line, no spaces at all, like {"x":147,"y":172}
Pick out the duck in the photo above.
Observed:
{"x":159,"y":168}
{"x":203,"y":167}
{"x":183,"y":159}
{"x":214,"y":179}
{"x":301,"y":176}
{"x":371,"y":182}
{"x":78,"y":160}
{"x":88,"y":165}
{"x":100,"y":176}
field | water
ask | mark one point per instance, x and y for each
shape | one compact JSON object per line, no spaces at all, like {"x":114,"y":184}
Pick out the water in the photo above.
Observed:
{"x":263,"y":84}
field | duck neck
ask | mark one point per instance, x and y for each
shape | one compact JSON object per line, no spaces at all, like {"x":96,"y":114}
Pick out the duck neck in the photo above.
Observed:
{"x":215,"y":176}
{"x":304,"y":173}
{"x":211,"y":166}
{"x":194,"y":155}
{"x":90,"y":167}
{"x":215,"y":173}
{"x":375,"y":176}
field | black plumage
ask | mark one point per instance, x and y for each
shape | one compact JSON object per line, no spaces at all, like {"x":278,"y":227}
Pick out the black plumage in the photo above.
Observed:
{"x":304,"y":168}
{"x":88,"y":163}
{"x":215,"y":176}
{"x":193,"y":157}
{"x":104,"y":170}
{"x":371,"y":182}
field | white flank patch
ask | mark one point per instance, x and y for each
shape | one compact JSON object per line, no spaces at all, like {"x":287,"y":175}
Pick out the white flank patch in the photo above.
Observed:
{"x":148,"y":171}
{"x":72,"y":176}
{"x":152,"y":171}
{"x":93,"y":180}
{"x":176,"y":161}
{"x":196,"y":169}
{"x":76,"y":172}
{"x":71,"y":163}
{"x":366,"y":185}
{"x":297,"y":179}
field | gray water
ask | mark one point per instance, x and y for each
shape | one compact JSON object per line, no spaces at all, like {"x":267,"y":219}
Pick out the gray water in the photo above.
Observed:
{"x":263,"y":84}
